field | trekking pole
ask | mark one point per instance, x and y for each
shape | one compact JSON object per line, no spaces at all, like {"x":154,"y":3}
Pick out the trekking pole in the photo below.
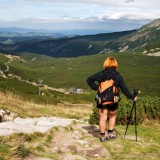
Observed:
{"x":133,"y":107}
{"x":135,"y":120}
{"x":129,"y":119}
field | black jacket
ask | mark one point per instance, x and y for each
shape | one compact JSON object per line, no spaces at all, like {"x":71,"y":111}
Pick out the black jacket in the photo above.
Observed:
{"x":107,"y":74}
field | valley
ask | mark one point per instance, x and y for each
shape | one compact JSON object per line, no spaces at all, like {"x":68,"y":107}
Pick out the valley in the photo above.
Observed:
{"x":56,"y":77}
{"x":10,"y":75}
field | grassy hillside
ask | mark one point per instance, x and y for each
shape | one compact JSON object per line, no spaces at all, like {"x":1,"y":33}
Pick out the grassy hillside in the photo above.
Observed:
{"x":138,"y":71}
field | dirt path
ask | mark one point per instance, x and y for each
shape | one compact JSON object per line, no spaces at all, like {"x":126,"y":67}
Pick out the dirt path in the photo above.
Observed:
{"x":9,"y":75}
{"x":78,"y":141}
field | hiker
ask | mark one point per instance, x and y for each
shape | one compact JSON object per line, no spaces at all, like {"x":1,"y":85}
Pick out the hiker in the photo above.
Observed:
{"x":110,"y":66}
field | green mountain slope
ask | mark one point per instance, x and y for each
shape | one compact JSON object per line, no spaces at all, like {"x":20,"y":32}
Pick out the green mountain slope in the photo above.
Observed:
{"x":145,"y":39}
{"x":65,"y":47}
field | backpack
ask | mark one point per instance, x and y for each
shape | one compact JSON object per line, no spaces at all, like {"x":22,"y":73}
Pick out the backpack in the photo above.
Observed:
{"x":107,"y":93}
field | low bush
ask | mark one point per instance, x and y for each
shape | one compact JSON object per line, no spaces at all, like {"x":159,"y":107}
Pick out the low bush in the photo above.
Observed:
{"x":146,"y":108}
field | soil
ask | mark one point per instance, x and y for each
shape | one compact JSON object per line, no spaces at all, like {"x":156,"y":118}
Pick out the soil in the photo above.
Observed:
{"x":78,"y":141}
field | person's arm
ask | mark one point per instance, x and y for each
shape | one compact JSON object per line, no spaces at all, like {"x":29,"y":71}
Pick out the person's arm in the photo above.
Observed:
{"x":96,"y":77}
{"x":124,"y":88}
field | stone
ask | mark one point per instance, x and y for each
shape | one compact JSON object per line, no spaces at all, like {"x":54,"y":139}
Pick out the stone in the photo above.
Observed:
{"x":31,"y":125}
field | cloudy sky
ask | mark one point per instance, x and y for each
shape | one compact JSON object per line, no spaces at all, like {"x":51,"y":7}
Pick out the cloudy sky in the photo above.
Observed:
{"x":114,"y":15}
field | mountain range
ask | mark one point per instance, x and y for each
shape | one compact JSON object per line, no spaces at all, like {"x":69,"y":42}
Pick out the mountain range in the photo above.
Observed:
{"x":144,"y":39}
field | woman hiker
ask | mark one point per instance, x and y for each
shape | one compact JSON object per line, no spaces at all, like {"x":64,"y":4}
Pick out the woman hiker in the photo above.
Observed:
{"x":110,"y":66}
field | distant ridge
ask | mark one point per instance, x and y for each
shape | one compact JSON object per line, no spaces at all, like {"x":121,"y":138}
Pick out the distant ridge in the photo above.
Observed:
{"x":144,"y":39}
{"x":65,"y":47}
{"x":13,"y":30}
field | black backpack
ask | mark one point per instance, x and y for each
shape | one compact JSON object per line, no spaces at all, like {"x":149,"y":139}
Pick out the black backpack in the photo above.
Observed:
{"x":107,"y":93}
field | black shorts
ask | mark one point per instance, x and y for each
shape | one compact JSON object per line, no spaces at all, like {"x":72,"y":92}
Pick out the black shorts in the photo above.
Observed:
{"x":108,"y":106}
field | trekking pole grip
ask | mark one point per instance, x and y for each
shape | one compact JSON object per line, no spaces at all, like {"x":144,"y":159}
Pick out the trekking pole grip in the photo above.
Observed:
{"x":135,"y":92}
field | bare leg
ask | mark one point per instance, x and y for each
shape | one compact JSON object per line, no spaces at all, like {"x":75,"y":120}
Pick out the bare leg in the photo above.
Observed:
{"x":102,"y":120}
{"x":112,"y":119}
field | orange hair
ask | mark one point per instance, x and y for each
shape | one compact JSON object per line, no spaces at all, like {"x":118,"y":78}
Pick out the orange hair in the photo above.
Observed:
{"x":110,"y":62}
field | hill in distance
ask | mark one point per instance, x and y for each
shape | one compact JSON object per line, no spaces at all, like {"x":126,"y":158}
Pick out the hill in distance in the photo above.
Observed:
{"x":11,"y":35}
{"x":144,"y":40}
{"x":63,"y":47}
{"x":15,"y":30}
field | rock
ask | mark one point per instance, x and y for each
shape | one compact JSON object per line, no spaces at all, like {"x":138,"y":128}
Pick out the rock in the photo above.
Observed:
{"x":81,"y":142}
{"x":96,"y":155}
{"x":73,"y":157}
{"x":86,"y":146}
{"x":31,"y":125}
{"x":55,"y":149}
{"x":5,"y":115}
{"x":76,"y":132}
{"x":31,"y":157}
{"x":76,"y":137}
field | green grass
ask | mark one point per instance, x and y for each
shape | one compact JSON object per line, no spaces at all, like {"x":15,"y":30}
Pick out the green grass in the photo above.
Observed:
{"x":31,"y":93}
{"x":19,"y":146}
{"x":146,"y":147}
{"x":3,"y":59}
{"x":139,"y":71}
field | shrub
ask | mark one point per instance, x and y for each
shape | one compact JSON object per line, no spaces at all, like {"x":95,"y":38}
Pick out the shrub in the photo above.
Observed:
{"x":146,"y":107}
{"x":151,"y":107}
{"x":125,"y":109}
{"x":94,"y":118}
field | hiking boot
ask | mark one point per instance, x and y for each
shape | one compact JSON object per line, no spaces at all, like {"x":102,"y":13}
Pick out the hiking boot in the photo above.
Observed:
{"x":102,"y":138}
{"x":111,"y":135}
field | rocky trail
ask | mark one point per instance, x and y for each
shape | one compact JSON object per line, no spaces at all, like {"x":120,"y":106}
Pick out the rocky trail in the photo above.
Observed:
{"x":78,"y":143}
{"x":72,"y":140}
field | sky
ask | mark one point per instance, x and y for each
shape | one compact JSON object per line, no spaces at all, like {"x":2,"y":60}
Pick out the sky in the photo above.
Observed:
{"x":111,"y":15}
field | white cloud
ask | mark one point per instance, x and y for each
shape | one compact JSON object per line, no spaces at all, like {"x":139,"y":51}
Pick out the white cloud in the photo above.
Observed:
{"x":122,"y":3}
{"x":98,"y":12}
{"x":128,"y":1}
{"x":132,"y":16}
